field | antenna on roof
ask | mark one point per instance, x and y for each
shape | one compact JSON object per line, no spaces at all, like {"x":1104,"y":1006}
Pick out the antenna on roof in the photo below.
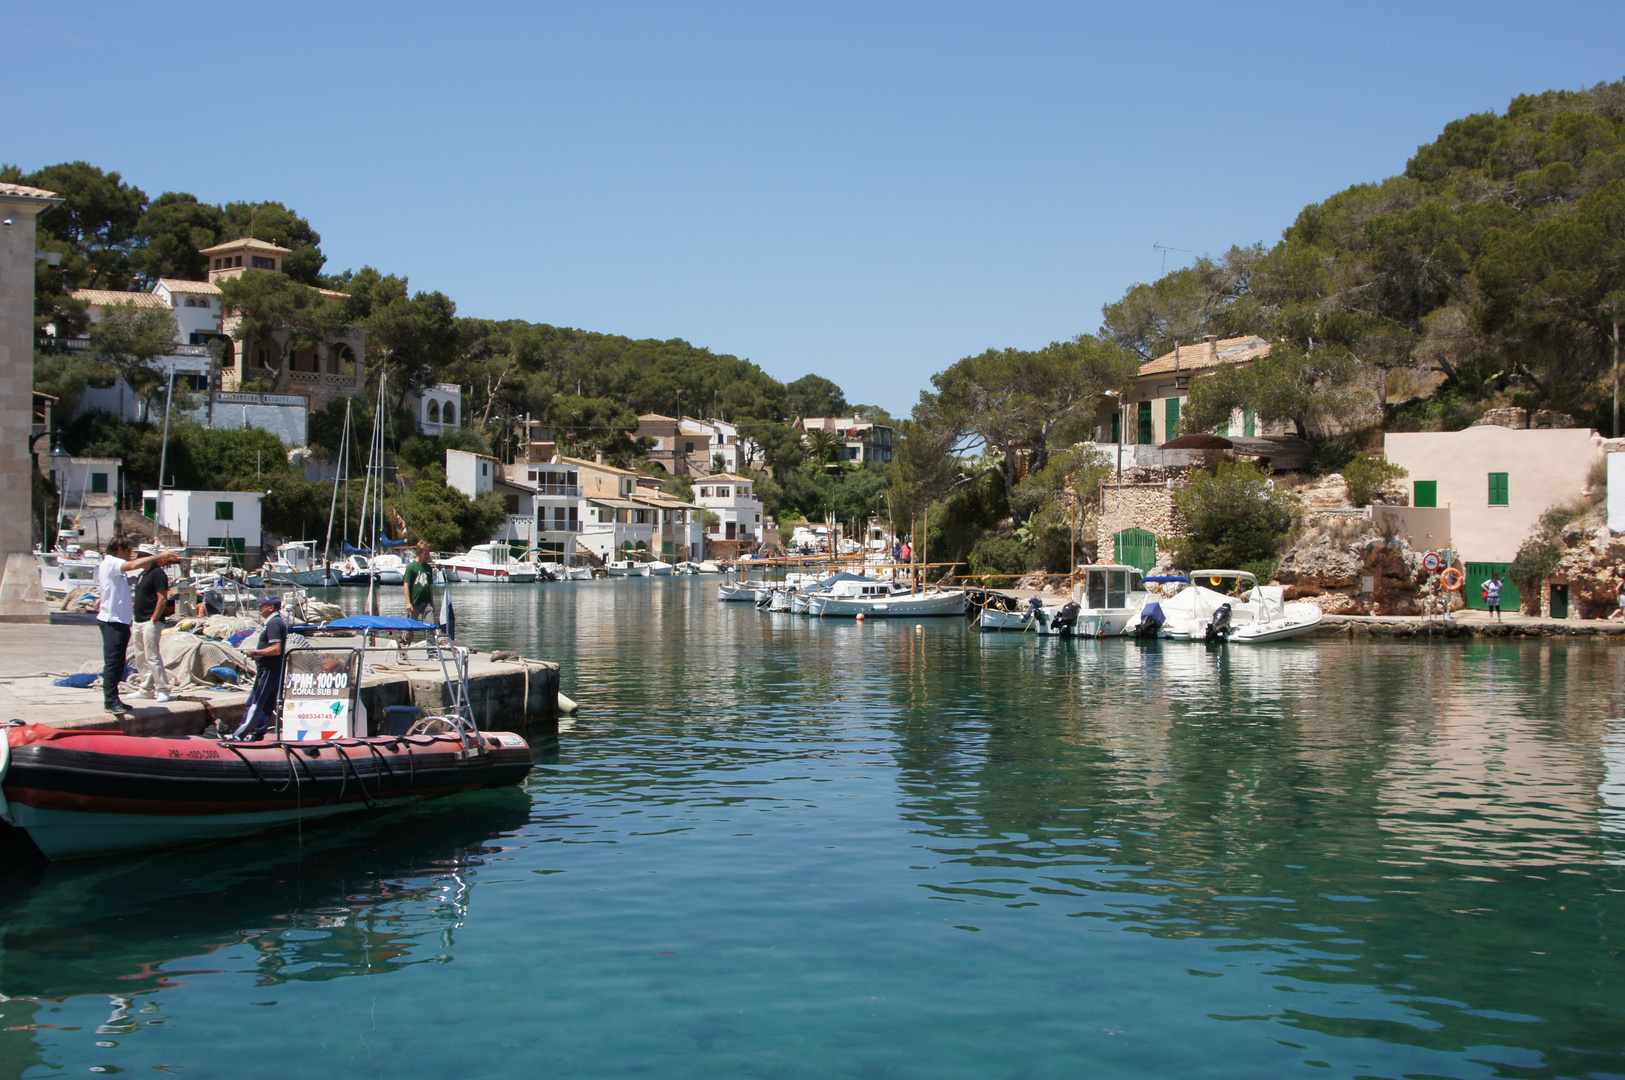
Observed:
{"x":1165,"y":249}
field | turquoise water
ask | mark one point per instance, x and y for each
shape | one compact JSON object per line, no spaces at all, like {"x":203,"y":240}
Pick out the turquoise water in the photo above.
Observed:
{"x":778,"y":847}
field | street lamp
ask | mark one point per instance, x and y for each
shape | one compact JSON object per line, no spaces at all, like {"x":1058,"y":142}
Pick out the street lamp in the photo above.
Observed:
{"x":60,"y":460}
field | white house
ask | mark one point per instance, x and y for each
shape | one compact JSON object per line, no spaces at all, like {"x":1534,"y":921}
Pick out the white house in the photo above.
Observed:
{"x":559,"y":509}
{"x":476,"y":474}
{"x":89,"y":491}
{"x":221,"y":520}
{"x":728,"y":496}
{"x":438,"y":408}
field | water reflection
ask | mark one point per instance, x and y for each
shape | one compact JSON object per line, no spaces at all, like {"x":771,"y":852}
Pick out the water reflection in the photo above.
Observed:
{"x":1418,"y":829}
{"x":337,"y":902}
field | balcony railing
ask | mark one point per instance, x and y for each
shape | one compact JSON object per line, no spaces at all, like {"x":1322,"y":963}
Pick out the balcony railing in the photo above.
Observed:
{"x":559,"y":526}
{"x":560,"y":491}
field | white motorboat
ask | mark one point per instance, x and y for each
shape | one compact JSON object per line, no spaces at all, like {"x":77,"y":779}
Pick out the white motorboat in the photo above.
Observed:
{"x":626,"y":568}
{"x":60,"y":573}
{"x":1109,"y":599}
{"x":491,"y":562}
{"x":706,"y":566}
{"x":658,"y":568}
{"x":1229,"y":605}
{"x":883,"y":600}
{"x":295,"y":564}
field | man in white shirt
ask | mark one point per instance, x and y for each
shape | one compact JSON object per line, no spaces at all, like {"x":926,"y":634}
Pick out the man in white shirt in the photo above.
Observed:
{"x":115,"y":611}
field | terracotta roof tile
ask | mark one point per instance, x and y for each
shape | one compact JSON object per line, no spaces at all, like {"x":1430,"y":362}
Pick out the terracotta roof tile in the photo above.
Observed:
{"x":107,"y":297}
{"x":247,"y":243}
{"x":1234,"y":350}
{"x":23,"y":191}
{"x":180,"y":285}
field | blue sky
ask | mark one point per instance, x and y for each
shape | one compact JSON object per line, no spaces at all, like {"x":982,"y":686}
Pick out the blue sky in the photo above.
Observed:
{"x":867,"y":192}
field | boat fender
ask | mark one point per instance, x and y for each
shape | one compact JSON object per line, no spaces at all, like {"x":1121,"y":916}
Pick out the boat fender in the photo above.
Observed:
{"x":566,"y":705}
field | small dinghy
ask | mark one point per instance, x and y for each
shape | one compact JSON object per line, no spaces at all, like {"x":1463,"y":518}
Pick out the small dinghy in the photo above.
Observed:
{"x":76,"y":794}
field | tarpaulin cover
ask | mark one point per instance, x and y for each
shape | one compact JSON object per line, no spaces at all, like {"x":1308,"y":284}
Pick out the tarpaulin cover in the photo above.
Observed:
{"x":377,"y":622}
{"x":386,"y":542}
{"x":351,"y":549}
{"x":1170,"y":577}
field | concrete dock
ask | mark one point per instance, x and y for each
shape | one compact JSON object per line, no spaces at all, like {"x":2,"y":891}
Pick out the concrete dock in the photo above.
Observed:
{"x":507,"y":695}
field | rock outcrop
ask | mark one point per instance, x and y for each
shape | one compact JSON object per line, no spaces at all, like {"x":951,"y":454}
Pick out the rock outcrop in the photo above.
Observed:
{"x":1330,"y":565}
{"x":1593,"y":567}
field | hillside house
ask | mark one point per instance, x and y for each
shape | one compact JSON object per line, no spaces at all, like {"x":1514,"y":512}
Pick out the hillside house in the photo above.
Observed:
{"x":856,"y":439}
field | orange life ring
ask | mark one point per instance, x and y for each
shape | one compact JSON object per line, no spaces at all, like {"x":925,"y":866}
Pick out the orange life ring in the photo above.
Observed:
{"x":1451,"y":579}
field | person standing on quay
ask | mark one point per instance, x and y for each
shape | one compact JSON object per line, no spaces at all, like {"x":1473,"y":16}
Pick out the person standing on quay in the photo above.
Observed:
{"x":115,"y":611}
{"x":151,"y":606}
{"x":418,"y":586}
{"x":1492,"y":596}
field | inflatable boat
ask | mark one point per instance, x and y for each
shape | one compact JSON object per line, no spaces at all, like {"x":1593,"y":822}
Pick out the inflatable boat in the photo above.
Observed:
{"x":74,"y":794}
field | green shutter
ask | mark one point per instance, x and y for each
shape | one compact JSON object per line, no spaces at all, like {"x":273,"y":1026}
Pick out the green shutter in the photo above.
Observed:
{"x":1425,"y":493}
{"x":1136,"y":547}
{"x":1498,"y":489}
{"x":1147,"y":437}
{"x":149,"y":508}
{"x":1117,"y":427}
{"x":1170,"y":424}
{"x":1249,"y":423}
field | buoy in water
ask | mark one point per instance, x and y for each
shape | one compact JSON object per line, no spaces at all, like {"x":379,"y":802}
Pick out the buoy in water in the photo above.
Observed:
{"x":860,"y":616}
{"x":918,"y":628}
{"x":566,"y":705}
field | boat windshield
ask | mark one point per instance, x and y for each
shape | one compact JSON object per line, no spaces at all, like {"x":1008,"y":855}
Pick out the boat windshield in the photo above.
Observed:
{"x":1108,"y":589}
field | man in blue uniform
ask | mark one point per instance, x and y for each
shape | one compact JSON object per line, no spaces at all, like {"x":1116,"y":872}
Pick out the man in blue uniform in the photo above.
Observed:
{"x":262,"y":700}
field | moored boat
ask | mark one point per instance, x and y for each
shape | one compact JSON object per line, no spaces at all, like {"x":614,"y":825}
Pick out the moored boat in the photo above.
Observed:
{"x":75,"y":794}
{"x":883,"y":599}
{"x":490,"y":563}
{"x":1229,"y":605}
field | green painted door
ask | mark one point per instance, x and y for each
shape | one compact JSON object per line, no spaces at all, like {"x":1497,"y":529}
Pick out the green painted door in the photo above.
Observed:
{"x":1478,"y":573}
{"x":1170,"y":425}
{"x":1249,"y":423}
{"x":1136,"y":547}
{"x":1147,"y":437}
{"x":1425,"y":493}
{"x":1117,"y":427}
{"x":1560,"y":601}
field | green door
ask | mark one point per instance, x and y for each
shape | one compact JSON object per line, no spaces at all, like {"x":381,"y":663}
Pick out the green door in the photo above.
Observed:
{"x":1146,"y":435}
{"x":1170,"y":425}
{"x":1426,"y":493}
{"x":1249,"y":423}
{"x":1136,"y":547}
{"x":1560,"y":601}
{"x":1478,"y":573}
{"x":1117,"y":427}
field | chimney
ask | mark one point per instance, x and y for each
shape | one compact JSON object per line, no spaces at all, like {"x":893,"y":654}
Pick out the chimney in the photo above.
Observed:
{"x":598,"y":458}
{"x":1210,"y":352}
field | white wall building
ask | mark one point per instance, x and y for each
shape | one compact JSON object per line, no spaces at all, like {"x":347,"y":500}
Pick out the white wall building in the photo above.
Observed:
{"x":89,"y":493}
{"x":438,"y":409}
{"x":559,"y":507}
{"x":223,"y":520}
{"x":730,"y":498}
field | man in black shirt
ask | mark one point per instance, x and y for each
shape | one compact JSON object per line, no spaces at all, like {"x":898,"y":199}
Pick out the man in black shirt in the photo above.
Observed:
{"x":151,"y":606}
{"x":262,"y":700}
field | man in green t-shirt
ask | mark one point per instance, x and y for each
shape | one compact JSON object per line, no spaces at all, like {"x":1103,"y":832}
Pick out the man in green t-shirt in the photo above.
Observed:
{"x":418,"y":585}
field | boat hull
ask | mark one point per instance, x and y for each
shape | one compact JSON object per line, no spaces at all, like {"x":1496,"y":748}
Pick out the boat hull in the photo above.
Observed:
{"x":892,"y":607}
{"x":84,"y":794}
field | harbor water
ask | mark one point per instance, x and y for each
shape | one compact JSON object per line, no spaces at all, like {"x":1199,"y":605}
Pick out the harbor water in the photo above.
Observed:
{"x":770,"y":846}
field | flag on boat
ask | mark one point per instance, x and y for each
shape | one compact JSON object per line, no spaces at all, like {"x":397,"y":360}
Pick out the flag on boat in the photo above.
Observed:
{"x":400,"y":521}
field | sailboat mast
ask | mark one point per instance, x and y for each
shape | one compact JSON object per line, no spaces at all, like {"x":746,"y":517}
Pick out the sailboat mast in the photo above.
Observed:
{"x":333,"y":505}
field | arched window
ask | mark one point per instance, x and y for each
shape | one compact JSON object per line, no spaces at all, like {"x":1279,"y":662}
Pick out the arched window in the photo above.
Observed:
{"x":434,"y":411}
{"x":450,"y":415}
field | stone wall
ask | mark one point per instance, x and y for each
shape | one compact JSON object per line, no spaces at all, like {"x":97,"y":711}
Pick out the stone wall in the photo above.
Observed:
{"x":1136,"y":506}
{"x":1523,"y":418}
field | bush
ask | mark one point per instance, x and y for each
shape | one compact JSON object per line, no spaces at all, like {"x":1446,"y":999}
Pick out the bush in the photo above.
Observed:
{"x":1233,"y":516}
{"x":995,"y":556}
{"x":1535,"y":560}
{"x":1368,"y":475}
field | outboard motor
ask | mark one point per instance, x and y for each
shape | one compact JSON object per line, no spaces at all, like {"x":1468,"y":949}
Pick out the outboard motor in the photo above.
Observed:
{"x":1151,"y":620}
{"x":1219,"y":628}
{"x":1034,"y":606}
{"x":1065,"y":620}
